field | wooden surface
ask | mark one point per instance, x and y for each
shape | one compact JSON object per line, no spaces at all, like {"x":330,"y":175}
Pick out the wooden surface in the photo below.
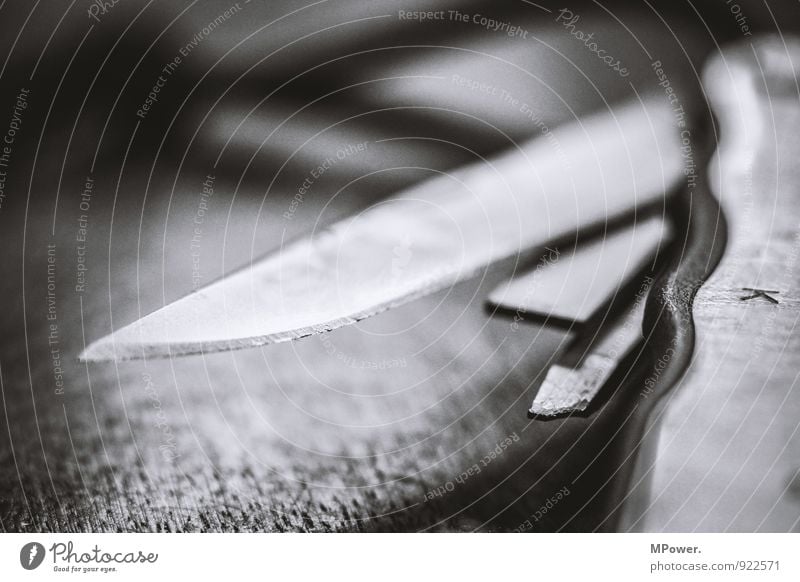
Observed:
{"x":297,"y":436}
{"x":726,"y":455}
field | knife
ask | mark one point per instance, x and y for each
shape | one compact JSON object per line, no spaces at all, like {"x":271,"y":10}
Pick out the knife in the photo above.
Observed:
{"x":580,"y":288}
{"x":435,"y":234}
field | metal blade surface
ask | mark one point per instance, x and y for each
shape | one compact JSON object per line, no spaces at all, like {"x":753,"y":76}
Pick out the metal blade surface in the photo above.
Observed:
{"x":573,"y":285}
{"x":428,"y":237}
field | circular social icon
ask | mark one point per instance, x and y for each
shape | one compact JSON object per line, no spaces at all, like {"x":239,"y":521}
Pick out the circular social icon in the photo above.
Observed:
{"x":31,"y":555}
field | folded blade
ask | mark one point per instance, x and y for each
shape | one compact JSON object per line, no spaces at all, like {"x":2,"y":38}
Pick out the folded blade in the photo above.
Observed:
{"x":583,"y":286}
{"x":428,"y":237}
{"x":573,"y":285}
{"x":569,"y":389}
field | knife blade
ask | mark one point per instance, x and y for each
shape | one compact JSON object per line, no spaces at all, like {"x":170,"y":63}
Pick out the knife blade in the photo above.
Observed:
{"x":580,"y":287}
{"x":573,"y":285}
{"x":567,"y":389}
{"x":428,"y":237}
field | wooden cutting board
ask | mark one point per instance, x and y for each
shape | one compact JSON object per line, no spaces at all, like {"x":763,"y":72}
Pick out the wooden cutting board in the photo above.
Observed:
{"x":725,"y":448}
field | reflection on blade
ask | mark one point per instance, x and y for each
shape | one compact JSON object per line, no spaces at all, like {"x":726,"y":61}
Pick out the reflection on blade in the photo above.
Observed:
{"x":574,"y":284}
{"x":428,"y":237}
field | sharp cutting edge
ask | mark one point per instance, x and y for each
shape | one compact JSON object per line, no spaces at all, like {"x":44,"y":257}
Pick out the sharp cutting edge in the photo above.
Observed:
{"x":447,"y":229}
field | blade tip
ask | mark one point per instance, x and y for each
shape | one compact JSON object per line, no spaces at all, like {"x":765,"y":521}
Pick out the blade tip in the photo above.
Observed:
{"x":99,"y":351}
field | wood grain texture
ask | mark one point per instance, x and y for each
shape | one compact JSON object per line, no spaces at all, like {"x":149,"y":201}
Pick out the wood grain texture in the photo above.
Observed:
{"x":727,"y":456}
{"x":346,"y":432}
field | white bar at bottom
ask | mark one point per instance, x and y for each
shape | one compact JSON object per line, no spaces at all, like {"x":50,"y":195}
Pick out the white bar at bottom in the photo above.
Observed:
{"x":407,"y":557}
